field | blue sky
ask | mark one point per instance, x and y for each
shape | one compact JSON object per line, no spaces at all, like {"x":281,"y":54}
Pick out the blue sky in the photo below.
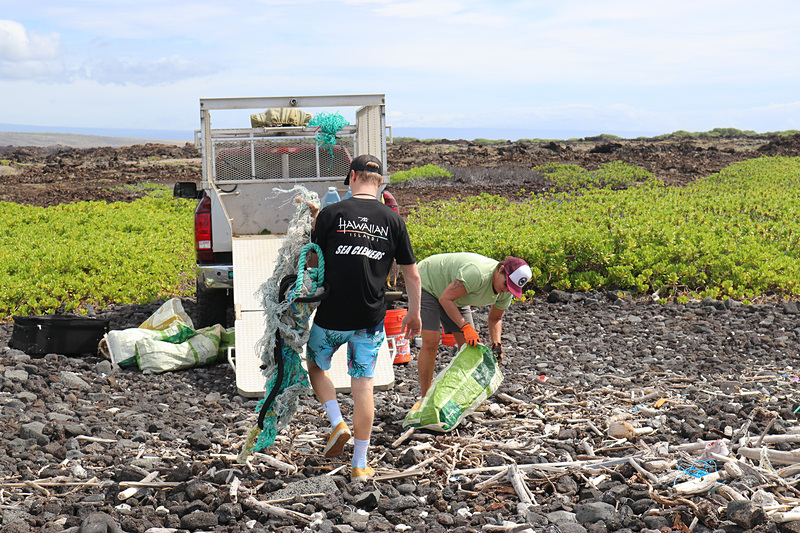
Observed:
{"x":617,"y":66}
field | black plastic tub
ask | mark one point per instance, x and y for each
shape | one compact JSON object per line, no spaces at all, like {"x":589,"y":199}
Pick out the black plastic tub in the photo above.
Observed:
{"x":61,"y":334}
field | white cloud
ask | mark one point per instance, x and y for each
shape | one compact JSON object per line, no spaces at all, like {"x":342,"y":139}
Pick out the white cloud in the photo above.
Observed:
{"x":18,"y":44}
{"x":163,"y":70}
{"x":28,"y":55}
{"x":455,"y":63}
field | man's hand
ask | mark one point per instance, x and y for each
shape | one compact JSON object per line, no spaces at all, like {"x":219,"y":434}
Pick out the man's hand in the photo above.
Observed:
{"x":314,"y":208}
{"x":497,"y":350}
{"x":470,"y":335}
{"x":412,"y":326}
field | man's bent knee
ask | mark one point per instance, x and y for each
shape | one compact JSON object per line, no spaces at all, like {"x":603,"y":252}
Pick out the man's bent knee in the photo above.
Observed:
{"x":361,"y":384}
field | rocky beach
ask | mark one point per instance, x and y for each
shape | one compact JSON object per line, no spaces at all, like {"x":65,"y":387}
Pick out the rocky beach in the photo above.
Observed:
{"x":616,"y":414}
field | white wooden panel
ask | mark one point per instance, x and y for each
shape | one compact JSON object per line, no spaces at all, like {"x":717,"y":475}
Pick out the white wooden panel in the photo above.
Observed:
{"x":254,"y":259}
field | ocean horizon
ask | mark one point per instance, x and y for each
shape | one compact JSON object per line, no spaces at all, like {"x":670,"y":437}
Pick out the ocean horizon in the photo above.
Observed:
{"x":469,"y":134}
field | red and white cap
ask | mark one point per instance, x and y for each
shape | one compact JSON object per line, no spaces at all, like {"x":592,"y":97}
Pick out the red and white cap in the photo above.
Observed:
{"x":518,"y":273}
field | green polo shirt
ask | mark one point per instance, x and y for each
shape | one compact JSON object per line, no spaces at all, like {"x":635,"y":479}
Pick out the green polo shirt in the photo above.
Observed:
{"x":474,"y":270}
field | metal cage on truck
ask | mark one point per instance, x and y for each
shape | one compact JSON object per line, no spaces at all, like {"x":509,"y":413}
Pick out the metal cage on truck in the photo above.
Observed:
{"x":242,"y":163}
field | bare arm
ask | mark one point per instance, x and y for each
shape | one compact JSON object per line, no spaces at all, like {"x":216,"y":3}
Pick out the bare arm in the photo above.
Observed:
{"x":495,"y":324}
{"x":453,"y":292}
{"x":412,"y":323}
{"x":314,"y":212}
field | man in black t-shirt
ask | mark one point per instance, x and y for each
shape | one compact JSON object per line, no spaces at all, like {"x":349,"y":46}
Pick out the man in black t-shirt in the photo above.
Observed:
{"x":360,"y":238}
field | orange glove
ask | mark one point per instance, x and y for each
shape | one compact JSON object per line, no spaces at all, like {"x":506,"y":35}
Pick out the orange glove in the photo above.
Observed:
{"x":470,"y":335}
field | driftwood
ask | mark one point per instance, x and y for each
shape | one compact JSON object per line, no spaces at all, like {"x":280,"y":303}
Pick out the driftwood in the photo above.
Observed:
{"x":87,"y":438}
{"x":772,"y":439}
{"x":697,"y":485}
{"x":495,"y":479}
{"x":506,"y":527}
{"x":51,"y":483}
{"x":790,"y":516}
{"x":149,"y":484}
{"x":775,"y":456}
{"x":404,"y":437}
{"x":730,"y":493}
{"x":131,"y":491}
{"x":398,"y":475}
{"x":233,"y":490}
{"x":636,"y":466}
{"x":511,"y":432}
{"x":37,"y":487}
{"x":275,"y":463}
{"x":266,"y":508}
{"x":517,"y":481}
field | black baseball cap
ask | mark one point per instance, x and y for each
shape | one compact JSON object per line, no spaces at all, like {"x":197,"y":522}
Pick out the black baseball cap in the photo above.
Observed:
{"x":364,"y":162}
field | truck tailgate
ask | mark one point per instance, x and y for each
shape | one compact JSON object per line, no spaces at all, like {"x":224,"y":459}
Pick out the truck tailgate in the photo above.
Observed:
{"x":254,"y":259}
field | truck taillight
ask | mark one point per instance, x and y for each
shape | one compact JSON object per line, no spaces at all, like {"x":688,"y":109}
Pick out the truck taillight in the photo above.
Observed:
{"x":389,"y":200}
{"x":202,"y":231}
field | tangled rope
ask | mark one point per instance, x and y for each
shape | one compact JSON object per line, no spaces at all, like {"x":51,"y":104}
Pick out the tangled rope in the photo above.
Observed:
{"x":316,"y":276}
{"x":328,"y":124}
{"x":286,"y":327}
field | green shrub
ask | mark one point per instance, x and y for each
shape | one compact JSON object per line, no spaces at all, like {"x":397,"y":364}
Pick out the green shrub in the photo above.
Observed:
{"x":155,"y":190}
{"x":65,"y":257}
{"x":734,"y":234}
{"x":565,"y":175}
{"x":616,"y":174}
{"x":427,"y":171}
{"x":603,"y":137}
{"x":717,"y":133}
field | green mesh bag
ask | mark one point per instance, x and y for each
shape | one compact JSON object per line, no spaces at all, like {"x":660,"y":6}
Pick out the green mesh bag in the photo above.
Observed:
{"x":472,"y":376}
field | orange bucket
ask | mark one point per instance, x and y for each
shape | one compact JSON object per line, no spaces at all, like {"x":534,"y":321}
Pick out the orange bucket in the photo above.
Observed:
{"x":448,"y":339}
{"x":393,"y":324}
{"x":402,"y":349}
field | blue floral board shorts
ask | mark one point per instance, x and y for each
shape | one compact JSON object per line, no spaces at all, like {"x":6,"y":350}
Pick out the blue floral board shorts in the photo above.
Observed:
{"x":362,"y":348}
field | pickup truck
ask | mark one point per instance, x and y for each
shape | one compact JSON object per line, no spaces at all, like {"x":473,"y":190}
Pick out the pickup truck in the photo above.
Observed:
{"x":247,"y":176}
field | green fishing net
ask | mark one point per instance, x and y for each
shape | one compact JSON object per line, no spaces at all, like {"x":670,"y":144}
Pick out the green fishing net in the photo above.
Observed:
{"x":287,"y":327}
{"x":329,"y":125}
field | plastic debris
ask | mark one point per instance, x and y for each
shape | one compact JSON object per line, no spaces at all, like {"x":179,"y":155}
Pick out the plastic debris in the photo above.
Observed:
{"x":697,"y":468}
{"x":718,"y":446}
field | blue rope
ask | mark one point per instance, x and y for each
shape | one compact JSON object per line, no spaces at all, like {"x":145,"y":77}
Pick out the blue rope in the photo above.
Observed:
{"x":698,"y":468}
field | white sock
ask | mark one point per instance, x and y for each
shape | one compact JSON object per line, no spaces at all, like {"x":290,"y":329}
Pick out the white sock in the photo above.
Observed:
{"x":360,"y":448}
{"x":334,"y":413}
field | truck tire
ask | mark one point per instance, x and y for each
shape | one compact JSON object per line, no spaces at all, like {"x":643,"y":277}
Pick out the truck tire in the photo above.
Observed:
{"x":214,"y":306}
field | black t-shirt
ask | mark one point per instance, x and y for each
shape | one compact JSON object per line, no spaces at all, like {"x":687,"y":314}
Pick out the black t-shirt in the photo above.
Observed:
{"x":360,"y":238}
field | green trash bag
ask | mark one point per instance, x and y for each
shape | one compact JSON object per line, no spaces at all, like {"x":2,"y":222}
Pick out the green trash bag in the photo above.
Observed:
{"x":472,"y":376}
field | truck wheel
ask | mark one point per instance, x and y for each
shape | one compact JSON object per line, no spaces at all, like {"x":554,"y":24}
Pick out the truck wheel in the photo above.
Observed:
{"x":213,"y":307}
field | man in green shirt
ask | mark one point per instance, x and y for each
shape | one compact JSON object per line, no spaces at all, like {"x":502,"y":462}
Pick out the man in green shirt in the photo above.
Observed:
{"x":451,"y":283}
